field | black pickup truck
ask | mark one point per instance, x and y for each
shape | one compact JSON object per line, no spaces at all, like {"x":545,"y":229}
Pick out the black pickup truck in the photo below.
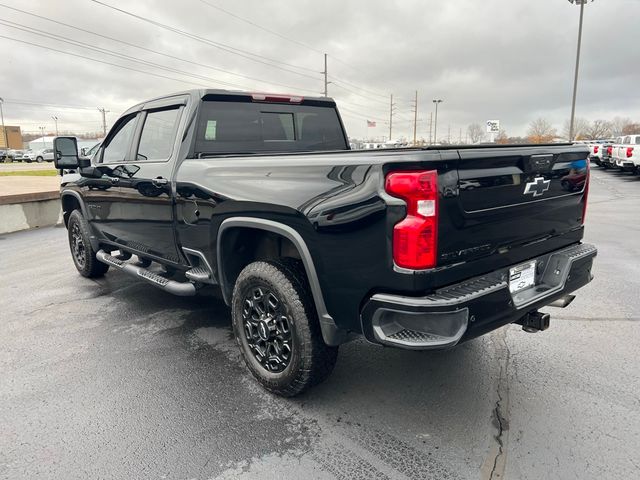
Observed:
{"x":313,"y":244}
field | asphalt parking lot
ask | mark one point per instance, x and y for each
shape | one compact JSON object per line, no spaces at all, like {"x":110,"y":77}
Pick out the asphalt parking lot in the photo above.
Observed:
{"x":115,"y":379}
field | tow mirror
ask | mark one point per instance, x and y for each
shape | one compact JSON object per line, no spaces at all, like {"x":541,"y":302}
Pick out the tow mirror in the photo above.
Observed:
{"x":65,"y":153}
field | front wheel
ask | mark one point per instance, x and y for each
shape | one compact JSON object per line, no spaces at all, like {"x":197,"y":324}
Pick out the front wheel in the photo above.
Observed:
{"x":277,"y":329}
{"x":82,"y":253}
{"x":39,"y":159}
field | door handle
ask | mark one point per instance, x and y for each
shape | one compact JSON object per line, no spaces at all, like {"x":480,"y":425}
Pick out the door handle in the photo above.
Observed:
{"x":160,"y":181}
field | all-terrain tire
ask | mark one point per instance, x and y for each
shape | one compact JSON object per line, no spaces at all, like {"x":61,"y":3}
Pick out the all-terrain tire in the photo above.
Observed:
{"x":82,"y":253}
{"x":310,"y":360}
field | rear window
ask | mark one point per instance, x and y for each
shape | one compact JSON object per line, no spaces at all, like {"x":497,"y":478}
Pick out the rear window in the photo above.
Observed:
{"x":638,"y":140}
{"x":243,"y":127}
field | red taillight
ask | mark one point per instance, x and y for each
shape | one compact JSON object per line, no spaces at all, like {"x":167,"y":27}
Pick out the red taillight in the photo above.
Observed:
{"x":274,"y":98}
{"x":629,"y":152}
{"x":585,"y":195}
{"x":595,"y":149}
{"x":609,"y":151}
{"x":415,"y":239}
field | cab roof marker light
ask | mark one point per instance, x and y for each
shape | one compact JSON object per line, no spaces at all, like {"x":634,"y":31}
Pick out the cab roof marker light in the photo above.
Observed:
{"x":275,"y":98}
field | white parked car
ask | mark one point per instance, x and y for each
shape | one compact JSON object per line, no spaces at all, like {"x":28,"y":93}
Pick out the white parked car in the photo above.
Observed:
{"x":40,"y":155}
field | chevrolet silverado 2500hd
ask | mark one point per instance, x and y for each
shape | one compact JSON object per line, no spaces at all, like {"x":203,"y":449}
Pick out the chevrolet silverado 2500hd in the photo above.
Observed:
{"x":313,"y":244}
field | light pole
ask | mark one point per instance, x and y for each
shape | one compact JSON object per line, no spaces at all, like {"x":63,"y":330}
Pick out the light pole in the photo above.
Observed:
{"x":435,"y":126}
{"x":44,"y":144}
{"x":4,"y":132}
{"x":55,"y":119}
{"x":581,"y":3}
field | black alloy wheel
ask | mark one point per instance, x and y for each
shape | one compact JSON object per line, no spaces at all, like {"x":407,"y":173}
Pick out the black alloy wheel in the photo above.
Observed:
{"x":276,"y":326}
{"x":84,"y":257}
{"x":78,"y":249}
{"x":267,"y":328}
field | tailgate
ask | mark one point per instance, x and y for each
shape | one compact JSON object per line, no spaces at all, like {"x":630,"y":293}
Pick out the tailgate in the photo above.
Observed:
{"x":511,"y":196}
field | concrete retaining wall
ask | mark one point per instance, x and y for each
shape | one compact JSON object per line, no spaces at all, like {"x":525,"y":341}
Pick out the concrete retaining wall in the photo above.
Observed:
{"x":32,"y":210}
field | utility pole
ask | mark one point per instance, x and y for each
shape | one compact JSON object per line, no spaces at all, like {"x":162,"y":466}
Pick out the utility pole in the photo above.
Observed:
{"x":435,"y":127}
{"x":449,"y":135}
{"x":4,"y":131}
{"x":460,"y":142}
{"x":326,"y":83}
{"x":430,"y":127}
{"x":55,"y":119}
{"x":575,"y":80}
{"x":415,"y":118}
{"x":104,"y":119}
{"x":391,"y":105}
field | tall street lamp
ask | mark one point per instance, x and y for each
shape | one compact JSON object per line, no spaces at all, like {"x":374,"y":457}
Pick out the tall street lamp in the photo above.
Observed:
{"x":581,"y":3}
{"x":4,"y":132}
{"x":435,"y":126}
{"x":44,"y":144}
{"x":55,"y":119}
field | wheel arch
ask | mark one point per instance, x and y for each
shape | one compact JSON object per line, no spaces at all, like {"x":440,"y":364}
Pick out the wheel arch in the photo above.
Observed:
{"x":71,"y":200}
{"x":331,"y":334}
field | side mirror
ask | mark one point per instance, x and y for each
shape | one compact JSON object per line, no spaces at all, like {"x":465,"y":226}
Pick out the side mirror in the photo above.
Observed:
{"x":65,"y":153}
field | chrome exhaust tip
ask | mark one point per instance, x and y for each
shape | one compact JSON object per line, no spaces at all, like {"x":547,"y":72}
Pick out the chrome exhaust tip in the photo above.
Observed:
{"x":563,"y":302}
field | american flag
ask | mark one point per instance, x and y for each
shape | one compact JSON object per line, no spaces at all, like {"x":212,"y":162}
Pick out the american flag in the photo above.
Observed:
{"x":370,"y":123}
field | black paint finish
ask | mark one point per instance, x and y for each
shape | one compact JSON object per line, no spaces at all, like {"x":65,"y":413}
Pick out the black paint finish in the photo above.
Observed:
{"x":336,"y":202}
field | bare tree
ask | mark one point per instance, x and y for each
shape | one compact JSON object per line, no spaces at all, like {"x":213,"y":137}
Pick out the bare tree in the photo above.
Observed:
{"x":618,"y":125}
{"x":631,"y":129}
{"x":580,"y":128}
{"x":598,"y":129}
{"x":502,"y":138}
{"x":540,"y":131}
{"x":476,"y":132}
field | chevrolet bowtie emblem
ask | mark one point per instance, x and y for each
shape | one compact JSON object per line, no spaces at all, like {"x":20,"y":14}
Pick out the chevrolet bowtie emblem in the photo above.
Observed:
{"x":537,"y":187}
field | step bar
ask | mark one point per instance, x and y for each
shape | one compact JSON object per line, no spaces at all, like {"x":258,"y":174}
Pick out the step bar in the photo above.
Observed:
{"x":183,"y":289}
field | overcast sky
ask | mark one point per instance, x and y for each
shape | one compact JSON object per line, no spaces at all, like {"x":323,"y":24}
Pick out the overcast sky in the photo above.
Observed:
{"x":510,"y":60}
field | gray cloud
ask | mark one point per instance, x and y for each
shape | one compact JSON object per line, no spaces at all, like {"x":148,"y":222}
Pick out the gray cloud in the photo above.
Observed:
{"x":499,"y":59}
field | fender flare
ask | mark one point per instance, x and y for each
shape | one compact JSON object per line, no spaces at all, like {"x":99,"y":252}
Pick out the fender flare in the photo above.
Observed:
{"x":95,"y":244}
{"x":331,"y":334}
{"x":73,"y":193}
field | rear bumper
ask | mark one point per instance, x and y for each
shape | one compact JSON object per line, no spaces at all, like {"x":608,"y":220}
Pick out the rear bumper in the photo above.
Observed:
{"x":474,"y":307}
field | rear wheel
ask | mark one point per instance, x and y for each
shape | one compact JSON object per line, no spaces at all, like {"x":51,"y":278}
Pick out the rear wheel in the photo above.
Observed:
{"x":39,"y":159}
{"x":82,"y":253}
{"x":277,"y":329}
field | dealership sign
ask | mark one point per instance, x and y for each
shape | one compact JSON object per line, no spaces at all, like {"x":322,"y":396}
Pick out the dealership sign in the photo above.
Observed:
{"x":493,"y":126}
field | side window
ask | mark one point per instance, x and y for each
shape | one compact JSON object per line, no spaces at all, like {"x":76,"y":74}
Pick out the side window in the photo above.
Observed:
{"x":158,"y":135}
{"x":118,"y":145}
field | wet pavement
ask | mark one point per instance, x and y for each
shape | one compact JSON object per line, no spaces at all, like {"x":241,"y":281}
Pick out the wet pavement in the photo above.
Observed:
{"x":116,"y":379}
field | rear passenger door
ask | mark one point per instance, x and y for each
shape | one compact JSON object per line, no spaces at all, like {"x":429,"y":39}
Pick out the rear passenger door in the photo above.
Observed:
{"x":146,"y":182}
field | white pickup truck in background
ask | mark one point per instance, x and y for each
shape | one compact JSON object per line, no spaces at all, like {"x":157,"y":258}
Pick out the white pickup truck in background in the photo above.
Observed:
{"x":625,"y":153}
{"x":596,"y":148}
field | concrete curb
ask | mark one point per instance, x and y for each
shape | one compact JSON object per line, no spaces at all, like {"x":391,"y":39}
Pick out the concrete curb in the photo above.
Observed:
{"x":30,"y":210}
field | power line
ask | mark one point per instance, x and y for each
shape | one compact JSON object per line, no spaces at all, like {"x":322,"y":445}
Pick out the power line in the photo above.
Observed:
{"x":126,"y":57}
{"x":285,"y":37}
{"x":360,"y":88}
{"x":52,"y":105}
{"x":67,"y":40}
{"x":149,"y":49}
{"x":353,"y":112}
{"x":222,"y":46}
{"x":348,"y":64}
{"x":339,"y":85}
{"x":273,"y":32}
{"x":102,"y":61}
